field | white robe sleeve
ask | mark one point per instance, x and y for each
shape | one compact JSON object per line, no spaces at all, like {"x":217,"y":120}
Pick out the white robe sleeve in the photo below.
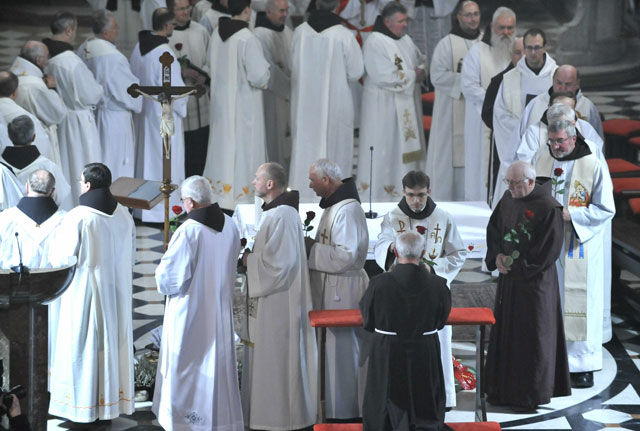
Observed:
{"x":383,"y":72}
{"x":454,"y":253}
{"x":179,"y":105}
{"x":595,"y":120}
{"x":119,"y":80}
{"x":505,"y":128}
{"x":279,"y":81}
{"x":175,"y":270}
{"x":255,"y":64}
{"x":272,"y":268}
{"x":442,"y":76}
{"x":347,"y":234}
{"x":206,"y":23}
{"x":88,"y":91}
{"x":470,"y":82}
{"x":589,"y":221}
{"x":529,"y":144}
{"x":385,"y":238}
{"x":48,"y":105}
{"x":353,"y":60}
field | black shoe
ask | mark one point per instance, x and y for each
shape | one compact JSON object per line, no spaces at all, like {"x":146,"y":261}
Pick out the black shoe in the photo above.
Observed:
{"x":582,"y":380}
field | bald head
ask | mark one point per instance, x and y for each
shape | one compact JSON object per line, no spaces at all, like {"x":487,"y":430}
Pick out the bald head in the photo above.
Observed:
{"x":36,"y":52}
{"x":566,"y":78}
{"x":41,"y":183}
{"x":517,"y":50}
{"x":521,"y":179}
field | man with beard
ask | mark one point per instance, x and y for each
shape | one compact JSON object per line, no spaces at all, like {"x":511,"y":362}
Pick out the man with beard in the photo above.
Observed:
{"x":391,"y":118}
{"x":38,"y":93}
{"x":190,"y":41}
{"x":445,"y":152}
{"x":445,"y":252}
{"x":565,"y":78}
{"x":582,"y":185}
{"x":483,"y":61}
{"x":528,"y":334}
{"x":275,"y":38}
{"x":146,"y":66}
{"x":531,"y":76}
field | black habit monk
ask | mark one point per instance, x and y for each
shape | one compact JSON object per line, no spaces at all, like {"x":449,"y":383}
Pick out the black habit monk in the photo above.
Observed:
{"x":527,"y":356}
{"x":404,"y":308}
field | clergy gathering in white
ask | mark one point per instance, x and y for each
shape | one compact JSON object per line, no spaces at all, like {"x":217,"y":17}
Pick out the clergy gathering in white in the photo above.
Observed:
{"x":285,"y":114}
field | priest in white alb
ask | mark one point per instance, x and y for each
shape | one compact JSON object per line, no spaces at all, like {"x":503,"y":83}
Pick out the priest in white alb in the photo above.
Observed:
{"x":146,"y":66}
{"x":445,"y":152}
{"x":197,"y":380}
{"x":275,"y":38}
{"x":565,"y":78}
{"x":582,"y":185}
{"x":326,"y":58}
{"x":338,"y":281}
{"x":190,"y":42}
{"x":38,"y":93}
{"x":24,"y":158}
{"x":531,"y":77}
{"x":484,"y":60}
{"x":444,"y":252}
{"x":127,"y":16}
{"x":91,"y":373}
{"x":78,"y":136}
{"x":147,"y":8}
{"x":239,"y":75}
{"x":391,"y":118}
{"x":199,"y":8}
{"x":283,"y":382}
{"x":114,"y":112}
{"x":9,"y":110}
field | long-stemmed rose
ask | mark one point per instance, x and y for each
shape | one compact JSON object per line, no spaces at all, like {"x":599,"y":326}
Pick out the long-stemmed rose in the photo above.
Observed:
{"x":306,"y":225}
{"x":173,"y":221}
{"x":556,"y":181}
{"x":422,"y":230}
{"x":523,"y":228}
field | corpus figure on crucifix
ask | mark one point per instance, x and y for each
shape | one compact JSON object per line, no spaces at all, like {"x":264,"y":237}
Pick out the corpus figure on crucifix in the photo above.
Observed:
{"x":445,"y":252}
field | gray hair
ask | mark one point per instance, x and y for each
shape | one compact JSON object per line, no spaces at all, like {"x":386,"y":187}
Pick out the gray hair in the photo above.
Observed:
{"x":42,"y":182}
{"x":32,"y":50}
{"x":528,"y":172}
{"x":327,"y":168}
{"x":503,"y":11}
{"x":327,"y":4}
{"x":21,"y":130}
{"x":61,"y":21}
{"x":197,"y":188}
{"x":562,"y":125}
{"x":410,"y":245}
{"x":559,"y":111}
{"x":101,"y":21}
{"x":270,"y":5}
{"x":392,"y":8}
{"x":276,"y":173}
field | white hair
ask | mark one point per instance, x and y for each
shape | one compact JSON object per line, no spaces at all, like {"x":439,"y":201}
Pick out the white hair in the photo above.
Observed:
{"x":560,"y":125}
{"x":528,"y":171}
{"x":327,"y":168}
{"x":410,"y":245}
{"x":503,"y":11}
{"x":197,"y":188}
{"x":559,"y":111}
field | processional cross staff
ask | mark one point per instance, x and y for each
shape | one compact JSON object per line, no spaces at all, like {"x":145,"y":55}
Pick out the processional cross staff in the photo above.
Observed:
{"x":167,"y":127}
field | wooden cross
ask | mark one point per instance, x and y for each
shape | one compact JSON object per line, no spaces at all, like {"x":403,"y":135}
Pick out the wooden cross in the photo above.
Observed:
{"x":166,"y":95}
{"x":401,"y":224}
{"x":324,"y":236}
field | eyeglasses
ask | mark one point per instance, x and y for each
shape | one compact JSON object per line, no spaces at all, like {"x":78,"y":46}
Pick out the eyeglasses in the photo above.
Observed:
{"x":534,"y":48}
{"x":557,"y":141}
{"x":470,"y":14}
{"x":513,"y":183}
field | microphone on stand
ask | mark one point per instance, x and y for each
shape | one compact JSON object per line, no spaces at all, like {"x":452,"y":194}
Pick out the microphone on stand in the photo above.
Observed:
{"x":370,"y":213}
{"x":20,"y":268}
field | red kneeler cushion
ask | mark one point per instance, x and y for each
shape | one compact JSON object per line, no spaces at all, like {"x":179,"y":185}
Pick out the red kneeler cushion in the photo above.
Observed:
{"x":634,"y":204}
{"x":621,"y":127}
{"x":622,"y":184}
{"x":621,"y":165}
{"x":353,"y":318}
{"x":635,"y":141}
{"x":457,"y":426}
{"x":429,"y":97}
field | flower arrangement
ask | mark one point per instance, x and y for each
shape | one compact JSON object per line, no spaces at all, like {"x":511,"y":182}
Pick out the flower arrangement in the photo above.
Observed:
{"x":306,"y":225}
{"x":514,"y":235}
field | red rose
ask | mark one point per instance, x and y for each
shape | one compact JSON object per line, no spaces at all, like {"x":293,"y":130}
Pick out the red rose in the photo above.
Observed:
{"x":177,"y":209}
{"x":557,"y":172}
{"x":179,"y":46}
{"x":421,"y":230}
{"x":243,"y":242}
{"x":310,"y":215}
{"x":528,"y":214}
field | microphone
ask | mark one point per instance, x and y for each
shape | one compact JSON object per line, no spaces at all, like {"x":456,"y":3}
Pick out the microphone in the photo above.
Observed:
{"x":370,"y":213}
{"x":20,"y":269}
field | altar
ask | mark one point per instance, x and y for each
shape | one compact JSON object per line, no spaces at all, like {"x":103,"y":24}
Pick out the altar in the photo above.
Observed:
{"x":470,"y":217}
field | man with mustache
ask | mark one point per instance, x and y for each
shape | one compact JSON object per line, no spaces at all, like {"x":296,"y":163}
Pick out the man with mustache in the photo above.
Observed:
{"x":483,"y":61}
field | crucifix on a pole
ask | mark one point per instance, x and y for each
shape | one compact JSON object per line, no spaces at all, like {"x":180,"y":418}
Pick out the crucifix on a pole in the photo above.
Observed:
{"x":166,"y":94}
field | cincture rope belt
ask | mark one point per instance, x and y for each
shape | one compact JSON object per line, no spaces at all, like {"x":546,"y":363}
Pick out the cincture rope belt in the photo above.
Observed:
{"x":380,"y":331}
